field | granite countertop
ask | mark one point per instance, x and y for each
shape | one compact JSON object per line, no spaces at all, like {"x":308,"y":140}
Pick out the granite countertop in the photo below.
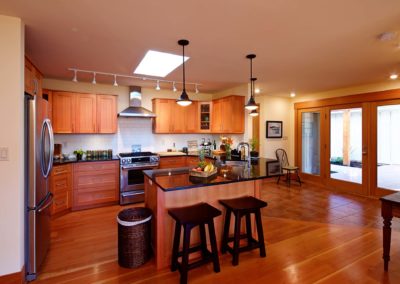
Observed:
{"x":179,"y":178}
{"x":68,"y":161}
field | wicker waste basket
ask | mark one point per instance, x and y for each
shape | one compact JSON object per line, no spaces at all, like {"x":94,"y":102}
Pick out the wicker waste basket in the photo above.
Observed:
{"x":134,"y":232}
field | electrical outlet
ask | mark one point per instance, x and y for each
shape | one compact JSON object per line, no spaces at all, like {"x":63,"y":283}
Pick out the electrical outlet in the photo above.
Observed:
{"x":3,"y":153}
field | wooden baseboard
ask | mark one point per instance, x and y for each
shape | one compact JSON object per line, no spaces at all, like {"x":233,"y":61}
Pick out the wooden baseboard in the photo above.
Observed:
{"x":14,"y":278}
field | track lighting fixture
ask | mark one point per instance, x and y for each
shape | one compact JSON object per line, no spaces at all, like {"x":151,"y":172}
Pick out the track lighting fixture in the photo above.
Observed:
{"x":75,"y":79}
{"x":94,"y":78}
{"x":115,"y":83}
{"x":184,"y":98}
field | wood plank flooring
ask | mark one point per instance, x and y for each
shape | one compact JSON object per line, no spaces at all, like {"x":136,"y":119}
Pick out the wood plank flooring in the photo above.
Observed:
{"x":312,"y":236}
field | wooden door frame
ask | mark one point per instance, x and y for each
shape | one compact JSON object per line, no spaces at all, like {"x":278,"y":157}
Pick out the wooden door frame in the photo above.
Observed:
{"x":369,"y":102}
{"x":375,"y":190}
{"x":342,"y":185}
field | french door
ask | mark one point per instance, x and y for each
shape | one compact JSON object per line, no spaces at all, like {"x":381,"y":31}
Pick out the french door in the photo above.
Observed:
{"x":351,"y":143}
{"x":346,"y":158}
{"x":385,"y":160}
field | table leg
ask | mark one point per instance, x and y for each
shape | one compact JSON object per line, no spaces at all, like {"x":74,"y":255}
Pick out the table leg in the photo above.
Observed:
{"x":387,"y":232}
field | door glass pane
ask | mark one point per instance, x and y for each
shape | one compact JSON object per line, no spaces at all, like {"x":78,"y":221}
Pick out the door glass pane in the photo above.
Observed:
{"x":389,"y":147}
{"x":310,"y":133}
{"x":346,"y":144}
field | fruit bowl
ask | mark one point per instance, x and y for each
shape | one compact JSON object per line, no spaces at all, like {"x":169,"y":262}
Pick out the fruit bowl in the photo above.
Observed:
{"x":203,"y":173}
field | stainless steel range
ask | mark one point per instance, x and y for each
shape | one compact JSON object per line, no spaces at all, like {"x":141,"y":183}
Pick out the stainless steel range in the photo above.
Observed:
{"x":132,"y":178}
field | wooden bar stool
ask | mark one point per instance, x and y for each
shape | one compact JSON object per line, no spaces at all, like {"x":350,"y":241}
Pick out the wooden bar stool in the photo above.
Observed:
{"x":242,"y":206}
{"x":188,"y":218}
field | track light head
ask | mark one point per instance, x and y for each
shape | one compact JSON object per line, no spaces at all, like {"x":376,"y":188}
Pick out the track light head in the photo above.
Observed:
{"x":94,"y":78}
{"x":158,"y":85}
{"x":75,"y":79}
{"x":196,"y":89}
{"x":115,"y":81}
{"x":174,"y":87}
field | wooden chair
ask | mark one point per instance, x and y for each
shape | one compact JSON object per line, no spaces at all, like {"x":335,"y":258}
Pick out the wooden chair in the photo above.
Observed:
{"x":281,"y":156}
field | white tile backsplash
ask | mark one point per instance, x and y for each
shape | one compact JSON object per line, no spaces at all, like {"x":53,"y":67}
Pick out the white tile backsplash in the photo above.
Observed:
{"x":131,"y":131}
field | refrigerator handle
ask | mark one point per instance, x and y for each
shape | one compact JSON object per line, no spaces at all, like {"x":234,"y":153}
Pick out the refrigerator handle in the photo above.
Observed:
{"x":47,"y":168}
{"x":46,"y":203}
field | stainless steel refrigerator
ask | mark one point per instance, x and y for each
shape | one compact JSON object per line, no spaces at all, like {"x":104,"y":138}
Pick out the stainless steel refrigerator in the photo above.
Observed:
{"x":39,"y":148}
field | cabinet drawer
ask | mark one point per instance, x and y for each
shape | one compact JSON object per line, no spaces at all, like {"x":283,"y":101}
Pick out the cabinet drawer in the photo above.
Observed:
{"x":61,"y":183}
{"x":61,"y":169}
{"x":172,"y":162}
{"x":60,"y":202}
{"x":94,"y":197}
{"x":96,"y":166}
{"x":93,"y":180}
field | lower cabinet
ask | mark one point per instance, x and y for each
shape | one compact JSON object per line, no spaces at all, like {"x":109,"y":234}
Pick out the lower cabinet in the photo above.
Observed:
{"x":180,"y":162}
{"x":95,"y":184}
{"x":61,"y":187}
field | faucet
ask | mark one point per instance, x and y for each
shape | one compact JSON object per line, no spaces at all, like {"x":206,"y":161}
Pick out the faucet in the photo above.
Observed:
{"x":242,"y":144}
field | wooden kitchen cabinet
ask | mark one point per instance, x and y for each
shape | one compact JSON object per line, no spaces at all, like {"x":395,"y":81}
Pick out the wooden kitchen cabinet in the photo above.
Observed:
{"x":33,"y":79}
{"x":172,"y":162}
{"x":205,"y":116}
{"x":106,"y":114}
{"x":191,"y":117}
{"x":85,"y":110}
{"x":63,"y":110}
{"x":228,"y":115}
{"x":163,"y":109}
{"x":84,"y":113}
{"x":61,"y":187}
{"x":95,"y":184}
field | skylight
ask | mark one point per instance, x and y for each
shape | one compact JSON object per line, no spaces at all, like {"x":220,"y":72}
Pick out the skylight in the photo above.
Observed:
{"x":160,"y":64}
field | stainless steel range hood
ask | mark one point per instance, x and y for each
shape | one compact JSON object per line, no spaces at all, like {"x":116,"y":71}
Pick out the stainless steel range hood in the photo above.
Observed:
{"x":135,"y":108}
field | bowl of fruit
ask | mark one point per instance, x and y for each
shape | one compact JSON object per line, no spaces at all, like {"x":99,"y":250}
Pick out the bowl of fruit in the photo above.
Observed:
{"x":204,"y":169}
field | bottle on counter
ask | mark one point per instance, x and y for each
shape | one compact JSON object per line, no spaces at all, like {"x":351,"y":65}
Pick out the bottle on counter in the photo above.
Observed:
{"x":215,"y":145}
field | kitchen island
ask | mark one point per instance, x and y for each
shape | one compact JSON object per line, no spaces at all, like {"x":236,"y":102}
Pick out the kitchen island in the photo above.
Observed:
{"x":171,"y":188}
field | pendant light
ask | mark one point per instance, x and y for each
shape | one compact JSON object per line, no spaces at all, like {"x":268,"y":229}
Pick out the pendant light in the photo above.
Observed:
{"x":253,"y":113}
{"x":184,"y":98}
{"x":251,"y":104}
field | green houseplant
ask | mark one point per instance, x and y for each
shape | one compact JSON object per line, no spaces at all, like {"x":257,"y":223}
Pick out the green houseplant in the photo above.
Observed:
{"x":79,"y":153}
{"x":253,"y":146}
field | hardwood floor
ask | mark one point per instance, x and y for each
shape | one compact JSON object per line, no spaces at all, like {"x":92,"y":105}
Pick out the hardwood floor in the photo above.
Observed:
{"x":312,"y":236}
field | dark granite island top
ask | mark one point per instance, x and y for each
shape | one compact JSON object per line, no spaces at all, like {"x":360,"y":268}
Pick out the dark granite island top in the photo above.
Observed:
{"x":172,"y":188}
{"x":234,"y":171}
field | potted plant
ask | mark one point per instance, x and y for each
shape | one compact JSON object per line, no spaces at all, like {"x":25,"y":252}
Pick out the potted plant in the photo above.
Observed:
{"x":79,"y":153}
{"x":227,"y":142}
{"x":253,"y":145}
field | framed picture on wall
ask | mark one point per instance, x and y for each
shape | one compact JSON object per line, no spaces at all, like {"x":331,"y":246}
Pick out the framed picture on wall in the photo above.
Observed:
{"x":274,"y":129}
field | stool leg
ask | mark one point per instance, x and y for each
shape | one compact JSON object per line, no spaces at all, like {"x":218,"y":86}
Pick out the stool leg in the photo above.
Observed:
{"x":279,"y":178}
{"x":236,"y":242}
{"x":185,"y":255}
{"x":248,"y":229}
{"x":214,"y":249}
{"x":175,"y":247}
{"x":203,"y":240}
{"x":225,"y":234}
{"x":260,"y":233}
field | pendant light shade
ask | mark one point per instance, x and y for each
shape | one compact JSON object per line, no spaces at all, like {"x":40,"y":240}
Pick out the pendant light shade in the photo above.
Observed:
{"x":251,"y":104}
{"x":184,"y":98}
{"x":253,"y":113}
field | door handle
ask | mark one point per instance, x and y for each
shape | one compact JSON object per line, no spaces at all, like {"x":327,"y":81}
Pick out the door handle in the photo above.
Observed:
{"x":46,"y":203}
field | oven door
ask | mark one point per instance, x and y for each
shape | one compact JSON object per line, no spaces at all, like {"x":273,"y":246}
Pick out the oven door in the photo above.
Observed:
{"x":132,"y":179}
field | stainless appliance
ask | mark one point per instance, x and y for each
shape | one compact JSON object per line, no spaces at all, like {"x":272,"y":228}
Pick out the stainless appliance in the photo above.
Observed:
{"x":132,"y":178}
{"x":135,"y":108}
{"x":39,"y":150}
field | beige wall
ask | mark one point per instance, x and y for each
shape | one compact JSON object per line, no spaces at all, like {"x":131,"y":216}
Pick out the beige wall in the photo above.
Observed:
{"x":12,"y":125}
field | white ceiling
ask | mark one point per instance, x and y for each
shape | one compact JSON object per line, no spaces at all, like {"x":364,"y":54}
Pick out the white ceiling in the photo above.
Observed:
{"x":306,"y":46}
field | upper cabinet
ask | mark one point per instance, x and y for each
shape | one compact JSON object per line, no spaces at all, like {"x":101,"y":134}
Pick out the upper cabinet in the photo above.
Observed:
{"x":173,"y":118}
{"x":33,"y":79}
{"x":106,"y":114}
{"x":225,"y":115}
{"x":84,"y":113}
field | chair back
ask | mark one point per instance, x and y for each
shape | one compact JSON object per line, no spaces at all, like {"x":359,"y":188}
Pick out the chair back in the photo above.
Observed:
{"x":282,"y":158}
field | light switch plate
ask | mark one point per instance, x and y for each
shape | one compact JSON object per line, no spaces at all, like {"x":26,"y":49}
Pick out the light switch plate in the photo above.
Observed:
{"x":3,"y":153}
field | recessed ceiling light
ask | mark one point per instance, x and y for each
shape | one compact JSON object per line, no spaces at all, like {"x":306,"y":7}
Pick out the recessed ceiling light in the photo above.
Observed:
{"x":292,"y":94}
{"x":160,"y":64}
{"x":257,"y":90}
{"x":394,"y":76}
